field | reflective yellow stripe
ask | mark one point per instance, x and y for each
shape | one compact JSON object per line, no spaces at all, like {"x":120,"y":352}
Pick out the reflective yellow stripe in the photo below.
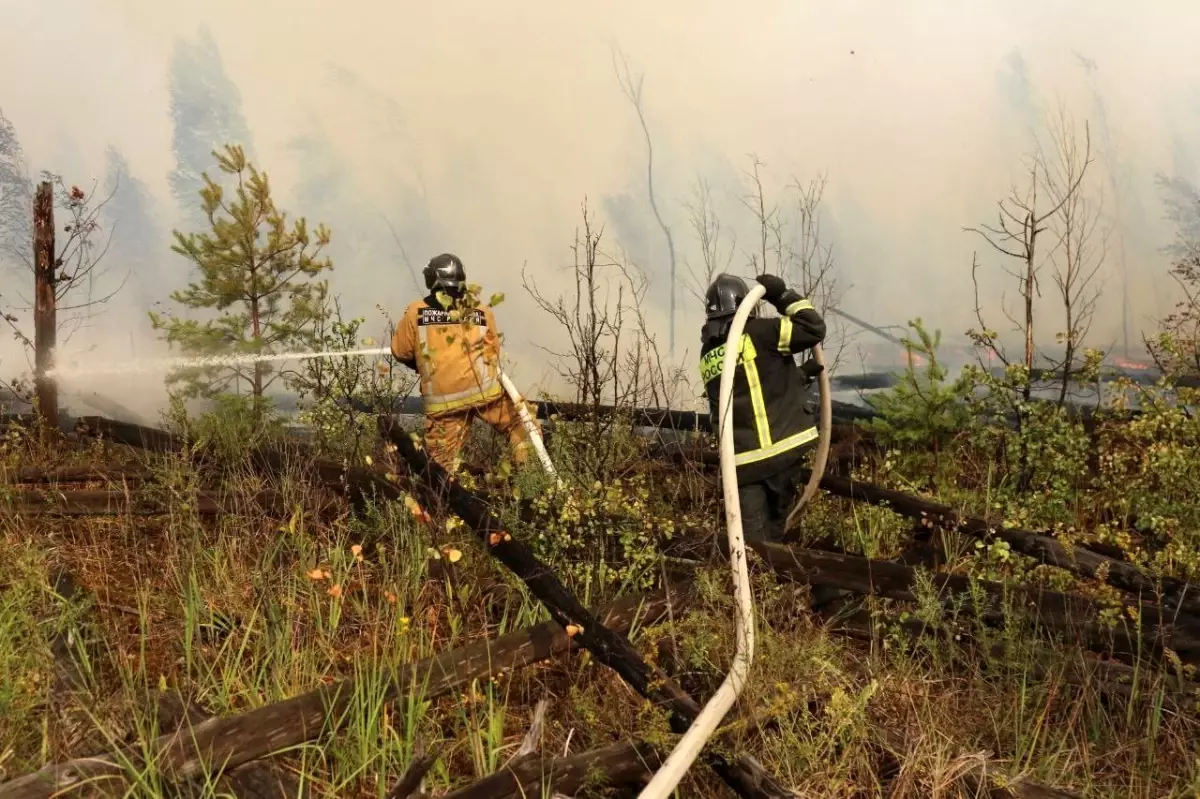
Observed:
{"x":799,"y":305}
{"x":785,"y":335}
{"x":778,"y":448}
{"x":760,"y":406}
{"x":441,"y":403}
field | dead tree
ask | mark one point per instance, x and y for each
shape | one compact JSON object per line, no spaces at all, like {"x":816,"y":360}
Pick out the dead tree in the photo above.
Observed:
{"x":611,"y":357}
{"x":790,"y":244}
{"x":1051,"y":203}
{"x":1175,"y":346}
{"x":632,"y":89}
{"x":45,"y":316}
{"x":1081,"y":247}
{"x":710,"y":234}
{"x":1022,"y":218}
{"x":613,"y":765}
{"x":65,"y":270}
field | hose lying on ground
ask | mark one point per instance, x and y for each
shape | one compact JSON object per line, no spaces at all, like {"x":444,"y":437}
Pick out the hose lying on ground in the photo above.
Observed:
{"x":668,"y":777}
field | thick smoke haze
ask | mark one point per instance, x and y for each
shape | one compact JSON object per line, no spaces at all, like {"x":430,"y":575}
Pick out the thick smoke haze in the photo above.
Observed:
{"x":412,"y":129}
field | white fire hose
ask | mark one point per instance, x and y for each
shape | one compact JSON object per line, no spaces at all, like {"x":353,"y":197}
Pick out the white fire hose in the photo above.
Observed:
{"x":822,"y":454}
{"x":689,"y":746}
{"x":531,"y":427}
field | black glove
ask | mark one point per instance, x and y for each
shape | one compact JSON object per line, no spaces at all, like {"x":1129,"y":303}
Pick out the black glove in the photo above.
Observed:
{"x":775,"y":287}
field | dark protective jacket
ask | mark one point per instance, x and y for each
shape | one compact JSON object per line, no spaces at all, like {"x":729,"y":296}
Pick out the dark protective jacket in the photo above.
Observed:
{"x":772,"y":419}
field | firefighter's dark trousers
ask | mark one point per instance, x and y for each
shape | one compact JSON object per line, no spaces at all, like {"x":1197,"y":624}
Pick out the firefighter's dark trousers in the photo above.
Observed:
{"x":766,"y":503}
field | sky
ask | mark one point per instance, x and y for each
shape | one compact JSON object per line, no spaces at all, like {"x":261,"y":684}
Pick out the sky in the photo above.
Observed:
{"x":480,"y":129}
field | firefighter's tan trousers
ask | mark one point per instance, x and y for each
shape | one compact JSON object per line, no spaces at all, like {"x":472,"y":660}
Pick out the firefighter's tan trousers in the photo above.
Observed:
{"x":445,"y":434}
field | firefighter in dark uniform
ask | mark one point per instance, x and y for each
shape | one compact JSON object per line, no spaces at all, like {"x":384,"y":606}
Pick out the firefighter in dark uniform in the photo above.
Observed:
{"x":773,"y":423}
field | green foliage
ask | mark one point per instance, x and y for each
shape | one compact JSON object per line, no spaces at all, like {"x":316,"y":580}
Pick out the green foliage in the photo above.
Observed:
{"x":340,"y":396}
{"x":257,"y":272}
{"x":1150,"y":468}
{"x":25,"y":654}
{"x":229,"y":428}
{"x":925,"y":411}
{"x":603,"y":535}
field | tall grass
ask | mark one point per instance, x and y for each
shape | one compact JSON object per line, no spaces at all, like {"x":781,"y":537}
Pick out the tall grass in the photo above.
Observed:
{"x":240,"y":611}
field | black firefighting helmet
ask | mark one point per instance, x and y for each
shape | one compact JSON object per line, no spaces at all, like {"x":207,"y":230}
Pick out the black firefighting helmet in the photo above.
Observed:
{"x":445,"y":272}
{"x":725,"y":295}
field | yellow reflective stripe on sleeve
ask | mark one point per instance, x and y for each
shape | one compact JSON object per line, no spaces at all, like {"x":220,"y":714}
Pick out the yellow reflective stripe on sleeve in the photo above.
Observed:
{"x":785,"y":335}
{"x":761,"y":423}
{"x":798,"y":306}
{"x":778,"y":448}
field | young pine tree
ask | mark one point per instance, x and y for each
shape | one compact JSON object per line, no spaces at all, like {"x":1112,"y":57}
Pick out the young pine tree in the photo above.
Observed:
{"x":257,"y":272}
{"x":925,"y":410}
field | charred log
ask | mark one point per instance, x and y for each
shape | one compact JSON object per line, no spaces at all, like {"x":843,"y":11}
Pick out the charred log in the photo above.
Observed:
{"x":122,"y":503}
{"x":610,"y":766}
{"x":213,"y":746}
{"x":1140,"y":627}
{"x":744,"y":775}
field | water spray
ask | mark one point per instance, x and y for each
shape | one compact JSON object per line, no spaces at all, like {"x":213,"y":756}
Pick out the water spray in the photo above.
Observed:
{"x":158,"y":365}
{"x":155,"y":365}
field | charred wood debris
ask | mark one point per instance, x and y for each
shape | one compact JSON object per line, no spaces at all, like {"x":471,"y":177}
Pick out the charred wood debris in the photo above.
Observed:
{"x":1159,"y":617}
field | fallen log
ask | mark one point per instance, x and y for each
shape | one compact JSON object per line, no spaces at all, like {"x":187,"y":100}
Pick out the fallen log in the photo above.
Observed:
{"x":122,"y":503}
{"x":1138,"y":629}
{"x":1076,"y":559}
{"x":978,"y":780}
{"x":30,"y":475}
{"x":217,"y":745}
{"x":662,"y":418}
{"x":610,"y":766}
{"x":1175,"y":594}
{"x":409,"y":784}
{"x":254,"y":780}
{"x":744,"y":775}
{"x":150,"y":439}
{"x":359,"y":485}
{"x":1106,"y":676}
{"x":1015,"y":789}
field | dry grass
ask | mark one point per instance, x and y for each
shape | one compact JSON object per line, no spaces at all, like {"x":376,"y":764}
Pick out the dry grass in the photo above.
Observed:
{"x":247,"y":609}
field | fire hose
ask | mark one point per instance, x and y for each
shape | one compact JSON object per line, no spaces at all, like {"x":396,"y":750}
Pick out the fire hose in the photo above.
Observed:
{"x":531,"y":427}
{"x":667,"y":778}
{"x":822,"y":455}
{"x":689,"y":746}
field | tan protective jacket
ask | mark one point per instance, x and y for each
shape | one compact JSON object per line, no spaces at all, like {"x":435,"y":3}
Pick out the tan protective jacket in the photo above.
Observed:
{"x":456,"y":353}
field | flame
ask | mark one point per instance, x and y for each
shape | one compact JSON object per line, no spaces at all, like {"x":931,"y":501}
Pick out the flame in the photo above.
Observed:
{"x":1125,"y":363}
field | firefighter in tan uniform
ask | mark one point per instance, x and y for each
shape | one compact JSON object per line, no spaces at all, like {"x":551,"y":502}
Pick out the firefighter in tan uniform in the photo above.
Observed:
{"x":456,"y":353}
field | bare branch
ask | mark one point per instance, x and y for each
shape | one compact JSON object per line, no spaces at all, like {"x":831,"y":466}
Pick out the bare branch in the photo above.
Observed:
{"x":632,"y":89}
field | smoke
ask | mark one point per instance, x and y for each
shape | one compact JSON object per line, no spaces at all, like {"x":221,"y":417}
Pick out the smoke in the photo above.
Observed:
{"x":479,"y":128}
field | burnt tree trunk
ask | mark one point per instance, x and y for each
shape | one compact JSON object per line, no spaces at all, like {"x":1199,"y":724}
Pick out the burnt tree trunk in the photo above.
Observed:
{"x":45,"y":324}
{"x":116,"y":502}
{"x":1175,"y":595}
{"x":1141,"y":627}
{"x":617,"y":764}
{"x":745,"y":775}
{"x":217,"y":745}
